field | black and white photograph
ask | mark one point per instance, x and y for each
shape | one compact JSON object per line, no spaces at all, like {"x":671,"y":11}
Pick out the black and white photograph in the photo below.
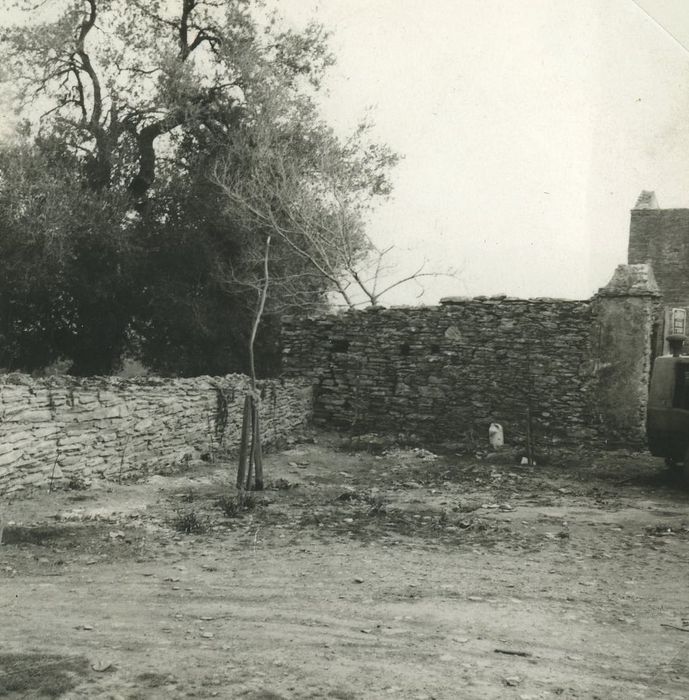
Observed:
{"x":344,"y":350}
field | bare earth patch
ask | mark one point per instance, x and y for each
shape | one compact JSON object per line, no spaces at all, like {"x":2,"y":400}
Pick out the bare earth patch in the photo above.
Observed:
{"x":355,"y":575}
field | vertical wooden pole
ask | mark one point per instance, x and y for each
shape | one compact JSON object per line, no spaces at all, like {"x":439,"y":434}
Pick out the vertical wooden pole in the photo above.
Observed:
{"x":257,"y":450}
{"x":250,"y":432}
{"x":244,"y":444}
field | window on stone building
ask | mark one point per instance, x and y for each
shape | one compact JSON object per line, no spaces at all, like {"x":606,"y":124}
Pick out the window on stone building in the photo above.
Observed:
{"x":678,"y":321}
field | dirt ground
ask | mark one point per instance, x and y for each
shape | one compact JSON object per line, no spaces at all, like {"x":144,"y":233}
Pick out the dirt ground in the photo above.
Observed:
{"x":354,"y":575}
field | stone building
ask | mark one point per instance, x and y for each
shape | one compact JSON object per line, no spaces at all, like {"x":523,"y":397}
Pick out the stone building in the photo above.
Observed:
{"x":660,"y":238}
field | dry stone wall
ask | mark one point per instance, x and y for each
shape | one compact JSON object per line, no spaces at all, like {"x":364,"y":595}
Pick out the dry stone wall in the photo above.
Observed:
{"x":446,"y":372}
{"x":64,"y":428}
{"x":570,"y":371}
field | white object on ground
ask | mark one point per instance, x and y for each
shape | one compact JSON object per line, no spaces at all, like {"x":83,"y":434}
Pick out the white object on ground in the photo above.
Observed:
{"x":495,"y":436}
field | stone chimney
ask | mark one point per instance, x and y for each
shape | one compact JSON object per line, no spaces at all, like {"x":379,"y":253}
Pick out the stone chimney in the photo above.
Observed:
{"x":647,"y":200}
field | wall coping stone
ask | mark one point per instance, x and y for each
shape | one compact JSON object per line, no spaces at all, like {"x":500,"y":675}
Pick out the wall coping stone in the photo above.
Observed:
{"x":451,"y":301}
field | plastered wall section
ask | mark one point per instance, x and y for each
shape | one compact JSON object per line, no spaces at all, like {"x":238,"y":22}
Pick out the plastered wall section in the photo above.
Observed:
{"x":63,"y":428}
{"x":623,"y":355}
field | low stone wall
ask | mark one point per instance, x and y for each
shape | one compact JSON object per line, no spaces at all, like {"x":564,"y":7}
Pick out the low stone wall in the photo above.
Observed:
{"x":64,"y":428}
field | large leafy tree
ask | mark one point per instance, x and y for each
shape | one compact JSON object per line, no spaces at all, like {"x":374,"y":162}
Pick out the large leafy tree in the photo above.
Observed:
{"x":116,"y":76}
{"x":119,"y":235}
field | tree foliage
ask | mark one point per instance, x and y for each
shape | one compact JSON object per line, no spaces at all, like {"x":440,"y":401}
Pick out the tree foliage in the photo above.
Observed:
{"x":68,"y":264}
{"x":313,"y":193}
{"x":115,"y":235}
{"x":116,"y":76}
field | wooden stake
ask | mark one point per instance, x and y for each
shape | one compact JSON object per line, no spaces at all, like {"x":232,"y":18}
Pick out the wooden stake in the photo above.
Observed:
{"x":257,"y":450}
{"x":250,"y":468}
{"x":244,"y":444}
{"x":52,"y":474}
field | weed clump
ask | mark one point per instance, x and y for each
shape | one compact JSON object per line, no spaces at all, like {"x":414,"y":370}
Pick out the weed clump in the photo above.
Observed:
{"x":373,"y":504}
{"x":234,"y":506}
{"x":281,"y":485}
{"x":40,"y":675}
{"x":77,"y":483}
{"x":377,"y":505}
{"x":189,"y":523}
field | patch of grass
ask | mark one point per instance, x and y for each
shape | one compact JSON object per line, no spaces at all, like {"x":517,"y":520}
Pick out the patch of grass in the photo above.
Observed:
{"x":19,"y":534}
{"x":189,"y":523}
{"x":666,"y":530}
{"x":311,"y":518}
{"x":77,"y":483}
{"x":40,"y":675}
{"x":80,"y":497}
{"x":264,"y":695}
{"x":369,"y":517}
{"x":155,"y":680}
{"x":377,"y":505}
{"x":281,"y":485}
{"x":338,"y":694}
{"x":234,"y":506}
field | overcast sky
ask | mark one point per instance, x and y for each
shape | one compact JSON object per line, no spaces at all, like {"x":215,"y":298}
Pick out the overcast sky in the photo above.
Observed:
{"x":528,"y":129}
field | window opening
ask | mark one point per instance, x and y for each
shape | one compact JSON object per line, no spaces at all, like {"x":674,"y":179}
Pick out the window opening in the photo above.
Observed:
{"x":678,"y":322}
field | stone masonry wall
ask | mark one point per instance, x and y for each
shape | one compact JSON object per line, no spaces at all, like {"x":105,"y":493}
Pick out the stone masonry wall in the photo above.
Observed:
{"x":445,"y":373}
{"x":68,"y":428}
{"x":660,"y":237}
{"x":580,"y":369}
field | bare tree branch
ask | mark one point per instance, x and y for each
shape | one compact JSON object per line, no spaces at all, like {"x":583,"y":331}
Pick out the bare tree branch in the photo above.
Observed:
{"x":84,"y":30}
{"x":263,"y":294}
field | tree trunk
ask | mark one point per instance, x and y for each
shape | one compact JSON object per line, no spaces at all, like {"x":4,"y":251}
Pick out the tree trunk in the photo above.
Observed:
{"x":251,"y":429}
